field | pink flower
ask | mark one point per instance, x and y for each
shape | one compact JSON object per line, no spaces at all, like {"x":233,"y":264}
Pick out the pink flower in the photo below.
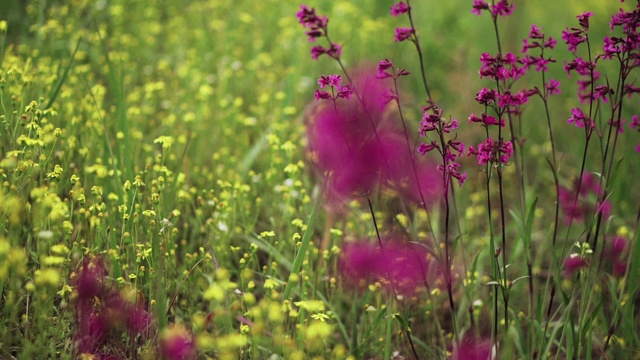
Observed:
{"x":502,"y":8}
{"x":614,"y":255}
{"x":89,"y":281}
{"x":578,"y":208}
{"x":102,"y":315}
{"x":399,"y":9}
{"x":471,"y":348}
{"x":572,"y":264}
{"x":176,"y":343}
{"x":478,"y":6}
{"x":399,"y":266}
{"x":553,"y":87}
{"x":403,"y":34}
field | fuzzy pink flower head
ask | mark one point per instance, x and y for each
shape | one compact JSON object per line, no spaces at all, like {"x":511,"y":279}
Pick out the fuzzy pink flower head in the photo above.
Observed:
{"x":176,"y":343}
{"x":399,"y":9}
{"x":581,"y":207}
{"x":572,"y":264}
{"x":472,"y":348}
{"x":399,"y":174}
{"x":618,"y":245}
{"x":89,"y":281}
{"x":343,"y":146}
{"x":399,"y":266}
{"x":91,"y":330}
{"x":614,"y":256}
{"x":139,"y":320}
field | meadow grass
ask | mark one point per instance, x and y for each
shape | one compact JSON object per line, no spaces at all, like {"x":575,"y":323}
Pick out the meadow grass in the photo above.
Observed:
{"x":160,"y":196}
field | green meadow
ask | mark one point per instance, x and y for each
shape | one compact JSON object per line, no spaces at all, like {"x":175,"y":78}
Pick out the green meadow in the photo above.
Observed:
{"x":162,"y":147}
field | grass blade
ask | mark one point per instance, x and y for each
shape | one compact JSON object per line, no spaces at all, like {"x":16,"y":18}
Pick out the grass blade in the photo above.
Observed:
{"x":306,"y":238}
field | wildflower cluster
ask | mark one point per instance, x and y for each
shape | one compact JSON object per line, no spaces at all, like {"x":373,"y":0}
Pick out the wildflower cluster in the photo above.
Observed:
{"x":337,"y":91}
{"x":538,"y":40}
{"x":318,"y":27}
{"x":400,"y":267}
{"x":450,"y":150}
{"x":101,"y":312}
{"x":501,"y":8}
{"x":358,"y":148}
{"x":103,"y":315}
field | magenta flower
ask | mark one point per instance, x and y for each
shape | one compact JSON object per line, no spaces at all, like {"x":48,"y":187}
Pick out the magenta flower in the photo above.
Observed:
{"x":89,"y":282}
{"x":501,"y":67}
{"x":502,"y":8}
{"x":635,"y":123}
{"x":590,"y":191}
{"x":553,"y":87}
{"x":574,"y":36}
{"x":317,"y":26}
{"x":176,"y":343}
{"x":579,"y":119}
{"x":399,"y":9}
{"x":102,"y":315}
{"x":491,"y":152}
{"x":317,"y":51}
{"x":337,"y":91}
{"x":343,"y":144}
{"x":472,"y":348}
{"x":397,"y":266}
{"x":614,"y":256}
{"x":630,"y":89}
{"x":486,"y":96}
{"x":583,"y":19}
{"x":572,"y":264}
{"x":478,"y":6}
{"x":535,"y":32}
{"x":385,"y":65}
{"x":403,"y":34}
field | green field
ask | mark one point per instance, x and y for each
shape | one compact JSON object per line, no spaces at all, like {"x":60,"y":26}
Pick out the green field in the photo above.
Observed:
{"x":170,"y":187}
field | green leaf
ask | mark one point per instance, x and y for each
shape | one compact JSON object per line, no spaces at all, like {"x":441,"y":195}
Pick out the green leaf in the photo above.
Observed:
{"x":306,"y":238}
{"x":61,"y":80}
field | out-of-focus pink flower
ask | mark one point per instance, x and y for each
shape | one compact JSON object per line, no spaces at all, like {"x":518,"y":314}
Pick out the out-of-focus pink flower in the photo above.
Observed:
{"x":573,"y":263}
{"x":176,"y":343}
{"x":103,"y":315}
{"x":472,"y":348}
{"x":343,"y":143}
{"x":344,"y":146}
{"x":590,"y":191}
{"x":614,"y":256}
{"x":403,"y":267}
{"x":88,"y":283}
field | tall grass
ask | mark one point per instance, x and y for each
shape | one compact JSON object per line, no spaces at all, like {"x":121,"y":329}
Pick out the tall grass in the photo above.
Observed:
{"x":157,"y":151}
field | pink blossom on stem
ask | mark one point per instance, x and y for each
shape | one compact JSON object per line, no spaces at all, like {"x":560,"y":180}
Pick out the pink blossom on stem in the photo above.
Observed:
{"x":399,"y":9}
{"x":403,"y":34}
{"x":572,"y":264}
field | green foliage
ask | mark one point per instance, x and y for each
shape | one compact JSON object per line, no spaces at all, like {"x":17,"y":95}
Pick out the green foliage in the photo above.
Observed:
{"x":168,"y":138}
